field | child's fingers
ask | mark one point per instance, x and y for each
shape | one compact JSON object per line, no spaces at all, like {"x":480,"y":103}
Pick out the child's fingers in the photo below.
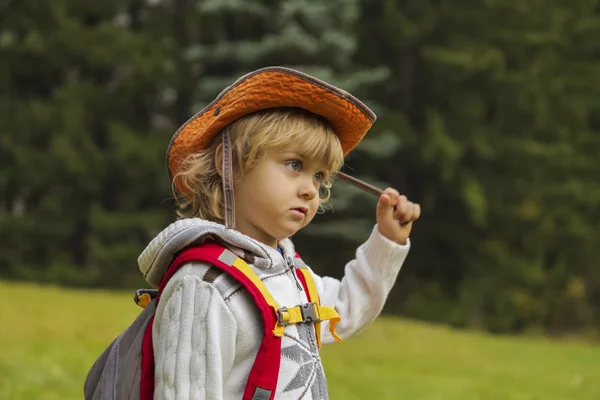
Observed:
{"x":417,"y":212}
{"x":401,"y":207}
{"x":394,"y":205}
{"x":393,"y":193}
{"x":385,"y":208}
{"x":385,"y":200}
{"x":388,"y":198}
{"x":407,"y":216}
{"x":413,"y":212}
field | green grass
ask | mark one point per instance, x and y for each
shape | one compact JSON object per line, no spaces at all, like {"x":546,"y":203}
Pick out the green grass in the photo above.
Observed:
{"x":50,"y":336}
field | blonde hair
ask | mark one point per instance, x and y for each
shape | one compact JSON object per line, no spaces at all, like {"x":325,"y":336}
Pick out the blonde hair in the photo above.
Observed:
{"x":251,"y":136}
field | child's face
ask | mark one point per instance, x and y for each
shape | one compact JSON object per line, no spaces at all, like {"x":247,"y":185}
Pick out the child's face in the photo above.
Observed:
{"x":279,"y":196}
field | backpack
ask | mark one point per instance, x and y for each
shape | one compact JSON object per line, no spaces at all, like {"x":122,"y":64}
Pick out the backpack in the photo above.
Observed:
{"x":125,"y":370}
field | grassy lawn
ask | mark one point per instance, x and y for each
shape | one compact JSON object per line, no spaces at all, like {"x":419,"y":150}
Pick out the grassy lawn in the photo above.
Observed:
{"x":50,"y":336}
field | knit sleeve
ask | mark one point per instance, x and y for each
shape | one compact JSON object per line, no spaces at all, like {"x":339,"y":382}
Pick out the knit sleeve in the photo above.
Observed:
{"x":194,"y":339}
{"x":361,"y":294}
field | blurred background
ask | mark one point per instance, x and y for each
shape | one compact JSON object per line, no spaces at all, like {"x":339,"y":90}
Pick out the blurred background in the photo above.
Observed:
{"x":489,"y":116}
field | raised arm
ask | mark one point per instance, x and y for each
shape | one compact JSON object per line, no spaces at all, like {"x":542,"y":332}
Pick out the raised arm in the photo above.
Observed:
{"x":360,"y":295}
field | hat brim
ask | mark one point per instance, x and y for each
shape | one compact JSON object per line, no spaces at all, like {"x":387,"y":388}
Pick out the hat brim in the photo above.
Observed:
{"x":266,"y":88}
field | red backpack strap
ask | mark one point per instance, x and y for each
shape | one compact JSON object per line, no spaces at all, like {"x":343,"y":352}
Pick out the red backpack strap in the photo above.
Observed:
{"x":262,"y":381}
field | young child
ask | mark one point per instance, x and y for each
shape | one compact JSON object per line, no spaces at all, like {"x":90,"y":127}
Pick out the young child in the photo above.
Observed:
{"x":251,"y":170}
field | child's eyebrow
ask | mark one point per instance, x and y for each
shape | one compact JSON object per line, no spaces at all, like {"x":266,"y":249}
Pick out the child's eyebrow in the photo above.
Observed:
{"x":296,"y":154}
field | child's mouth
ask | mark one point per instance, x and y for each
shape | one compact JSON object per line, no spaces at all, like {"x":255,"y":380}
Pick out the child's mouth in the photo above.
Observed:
{"x":300,"y":211}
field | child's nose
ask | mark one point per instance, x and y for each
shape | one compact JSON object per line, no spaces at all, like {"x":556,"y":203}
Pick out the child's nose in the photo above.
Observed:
{"x":308,"y":189}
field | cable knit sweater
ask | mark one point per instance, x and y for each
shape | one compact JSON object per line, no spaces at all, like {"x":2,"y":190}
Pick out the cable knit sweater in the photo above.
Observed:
{"x":207,"y":332}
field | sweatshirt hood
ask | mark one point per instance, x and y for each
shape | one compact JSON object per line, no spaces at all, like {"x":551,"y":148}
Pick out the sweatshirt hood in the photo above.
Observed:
{"x":160,"y":252}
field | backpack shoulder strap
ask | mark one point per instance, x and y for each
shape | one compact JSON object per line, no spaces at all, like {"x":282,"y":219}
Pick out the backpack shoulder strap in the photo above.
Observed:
{"x":325,"y":312}
{"x":264,"y":374}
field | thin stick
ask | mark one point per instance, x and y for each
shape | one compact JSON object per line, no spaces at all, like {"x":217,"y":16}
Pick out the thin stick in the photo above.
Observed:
{"x":360,"y":184}
{"x":364,"y":186}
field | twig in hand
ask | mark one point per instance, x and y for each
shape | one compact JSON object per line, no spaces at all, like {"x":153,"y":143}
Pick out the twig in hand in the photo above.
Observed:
{"x":364,"y":186}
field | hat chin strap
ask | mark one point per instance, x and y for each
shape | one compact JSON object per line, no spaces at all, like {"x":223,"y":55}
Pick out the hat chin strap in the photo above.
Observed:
{"x":228,"y":180}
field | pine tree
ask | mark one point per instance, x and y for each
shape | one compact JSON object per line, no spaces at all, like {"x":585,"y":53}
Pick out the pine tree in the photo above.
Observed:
{"x":234,"y":38}
{"x":82,"y":144}
{"x":492,"y":104}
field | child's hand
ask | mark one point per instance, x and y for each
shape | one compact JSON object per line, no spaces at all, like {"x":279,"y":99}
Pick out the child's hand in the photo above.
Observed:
{"x":396,"y":225}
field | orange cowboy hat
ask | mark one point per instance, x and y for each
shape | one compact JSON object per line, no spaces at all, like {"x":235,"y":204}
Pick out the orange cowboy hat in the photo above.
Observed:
{"x":265,"y":88}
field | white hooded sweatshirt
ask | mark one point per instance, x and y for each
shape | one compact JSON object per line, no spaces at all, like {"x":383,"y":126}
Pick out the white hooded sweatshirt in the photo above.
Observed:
{"x":207,"y":331}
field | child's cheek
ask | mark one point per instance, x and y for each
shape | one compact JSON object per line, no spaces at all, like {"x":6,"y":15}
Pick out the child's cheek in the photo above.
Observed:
{"x":314,"y":208}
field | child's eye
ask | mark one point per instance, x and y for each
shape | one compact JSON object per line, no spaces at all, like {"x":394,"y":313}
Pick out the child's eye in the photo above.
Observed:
{"x":319,"y":177}
{"x":294,"y":165}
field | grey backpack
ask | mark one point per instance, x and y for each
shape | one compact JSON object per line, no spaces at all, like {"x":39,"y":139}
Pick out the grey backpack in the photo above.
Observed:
{"x":118,"y":369}
{"x":125,"y":370}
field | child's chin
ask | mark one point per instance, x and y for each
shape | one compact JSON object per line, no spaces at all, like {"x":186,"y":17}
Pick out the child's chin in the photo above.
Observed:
{"x":286,"y":233}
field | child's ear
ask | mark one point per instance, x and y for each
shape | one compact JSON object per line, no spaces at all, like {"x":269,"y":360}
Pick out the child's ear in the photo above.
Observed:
{"x":219,"y":159}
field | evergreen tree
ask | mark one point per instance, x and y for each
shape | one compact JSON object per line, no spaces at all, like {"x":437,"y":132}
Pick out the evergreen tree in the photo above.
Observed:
{"x":233,"y":38}
{"x":488,"y":117}
{"x":81,"y":141}
{"x":492,"y":103}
